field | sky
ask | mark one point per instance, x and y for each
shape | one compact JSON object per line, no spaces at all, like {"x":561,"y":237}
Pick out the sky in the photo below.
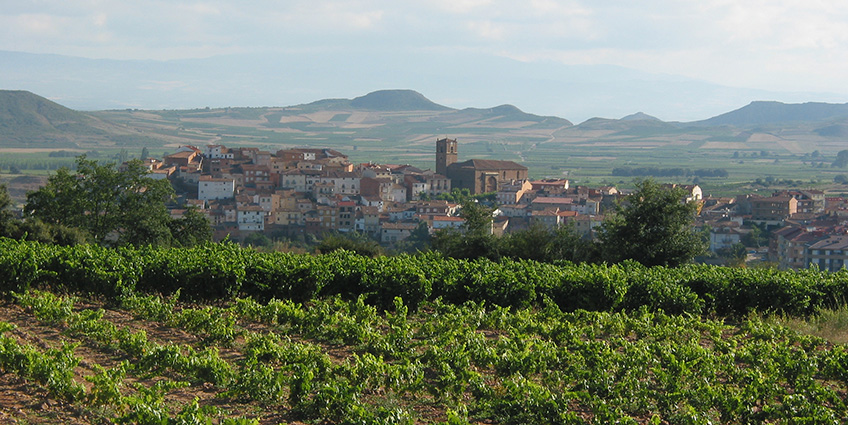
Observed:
{"x":779,"y":45}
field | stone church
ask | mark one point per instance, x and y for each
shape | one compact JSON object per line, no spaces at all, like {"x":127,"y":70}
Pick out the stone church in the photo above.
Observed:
{"x":476,"y":175}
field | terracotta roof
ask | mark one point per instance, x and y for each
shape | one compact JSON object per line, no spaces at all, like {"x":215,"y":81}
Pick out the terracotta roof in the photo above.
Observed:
{"x":490,"y":164}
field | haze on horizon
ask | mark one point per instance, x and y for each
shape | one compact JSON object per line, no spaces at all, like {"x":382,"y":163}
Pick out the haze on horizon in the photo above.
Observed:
{"x":788,"y":50}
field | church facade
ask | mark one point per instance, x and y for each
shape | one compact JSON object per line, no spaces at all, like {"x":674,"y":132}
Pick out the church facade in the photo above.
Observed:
{"x":476,"y":175}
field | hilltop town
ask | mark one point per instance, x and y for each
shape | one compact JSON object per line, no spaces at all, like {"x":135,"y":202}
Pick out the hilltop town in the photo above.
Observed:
{"x":310,"y":191}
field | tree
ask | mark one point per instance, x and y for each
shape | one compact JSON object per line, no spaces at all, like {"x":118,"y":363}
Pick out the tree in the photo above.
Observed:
{"x":653,"y":226}
{"x":547,"y":245}
{"x":5,"y":215}
{"x":356,"y":242}
{"x":106,"y":203}
{"x":258,"y":240}
{"x":474,"y":238}
{"x":735,"y":254}
{"x":418,"y":240}
{"x":841,"y":159}
{"x":192,"y":229}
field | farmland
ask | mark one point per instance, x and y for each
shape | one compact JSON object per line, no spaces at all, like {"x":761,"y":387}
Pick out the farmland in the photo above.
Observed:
{"x":229,"y":335}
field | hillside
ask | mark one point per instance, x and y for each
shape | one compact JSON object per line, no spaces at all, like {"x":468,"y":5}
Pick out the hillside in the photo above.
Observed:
{"x":29,"y":120}
{"x":400,"y":127}
{"x":396,"y":100}
{"x":762,"y":113}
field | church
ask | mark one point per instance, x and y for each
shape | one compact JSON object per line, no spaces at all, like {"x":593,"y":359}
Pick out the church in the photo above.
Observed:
{"x":476,"y":175}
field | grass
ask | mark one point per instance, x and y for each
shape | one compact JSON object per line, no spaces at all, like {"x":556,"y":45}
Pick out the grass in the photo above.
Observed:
{"x":828,"y":324}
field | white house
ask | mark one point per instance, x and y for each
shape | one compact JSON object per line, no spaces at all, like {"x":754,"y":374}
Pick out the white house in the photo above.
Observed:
{"x":251,"y":218}
{"x":209,"y":188}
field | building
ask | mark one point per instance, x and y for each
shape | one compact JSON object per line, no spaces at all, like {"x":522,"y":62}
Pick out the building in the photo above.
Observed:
{"x":773,"y":209}
{"x":476,"y":175}
{"x":830,"y":254}
{"x":446,"y":154}
{"x":209,"y":188}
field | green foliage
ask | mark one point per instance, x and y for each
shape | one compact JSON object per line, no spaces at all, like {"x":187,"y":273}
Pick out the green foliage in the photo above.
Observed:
{"x":653,"y":226}
{"x":5,"y":213}
{"x":103,"y":201}
{"x":136,"y":278}
{"x":46,"y":306}
{"x":539,"y":243}
{"x":475,"y":362}
{"x":474,"y":239}
{"x":353,"y":242}
{"x":192,"y":229}
{"x":734,"y":254}
{"x":841,"y":159}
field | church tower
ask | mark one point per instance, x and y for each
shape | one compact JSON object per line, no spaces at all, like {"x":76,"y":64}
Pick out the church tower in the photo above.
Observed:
{"x":445,"y":155}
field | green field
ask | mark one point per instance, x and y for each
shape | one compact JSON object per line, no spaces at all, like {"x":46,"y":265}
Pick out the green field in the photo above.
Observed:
{"x":225,"y":335}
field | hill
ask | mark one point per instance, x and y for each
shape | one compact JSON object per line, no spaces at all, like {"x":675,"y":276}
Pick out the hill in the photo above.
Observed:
{"x":763,"y":113}
{"x":29,"y":120}
{"x":640,"y":116}
{"x":626,"y":124}
{"x":396,"y":100}
{"x":400,"y":127}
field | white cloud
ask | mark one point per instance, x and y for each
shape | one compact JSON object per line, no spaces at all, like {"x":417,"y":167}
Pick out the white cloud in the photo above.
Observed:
{"x":724,"y":41}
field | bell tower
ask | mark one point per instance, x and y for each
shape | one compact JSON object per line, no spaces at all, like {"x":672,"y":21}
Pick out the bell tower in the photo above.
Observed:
{"x":445,"y":155}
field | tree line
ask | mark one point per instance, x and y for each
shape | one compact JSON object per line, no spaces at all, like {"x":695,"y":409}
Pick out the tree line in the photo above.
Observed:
{"x":652,"y":226}
{"x":102,"y":204}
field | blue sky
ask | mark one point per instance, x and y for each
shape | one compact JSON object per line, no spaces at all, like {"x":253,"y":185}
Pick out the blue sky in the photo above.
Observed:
{"x":778,"y":45}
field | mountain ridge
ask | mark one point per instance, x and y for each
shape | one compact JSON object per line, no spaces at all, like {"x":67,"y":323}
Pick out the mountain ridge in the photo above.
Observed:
{"x":27,"y":119}
{"x":773,"y":112}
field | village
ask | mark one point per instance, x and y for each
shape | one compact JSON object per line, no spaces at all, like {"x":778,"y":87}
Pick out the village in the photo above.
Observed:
{"x":309,"y":191}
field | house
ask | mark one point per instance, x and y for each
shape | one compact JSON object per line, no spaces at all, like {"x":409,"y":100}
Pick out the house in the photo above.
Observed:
{"x":725,"y":237}
{"x":511,"y":192}
{"x":251,"y":218}
{"x":439,"y":222}
{"x":774,"y":209}
{"x":209,"y":188}
{"x":830,"y":253}
{"x":396,"y":232}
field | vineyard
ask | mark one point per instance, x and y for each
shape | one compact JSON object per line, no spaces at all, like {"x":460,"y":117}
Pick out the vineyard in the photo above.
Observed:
{"x":224,"y":335}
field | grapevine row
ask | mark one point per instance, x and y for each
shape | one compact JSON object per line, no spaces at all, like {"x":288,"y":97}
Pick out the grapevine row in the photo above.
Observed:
{"x":226,"y":271}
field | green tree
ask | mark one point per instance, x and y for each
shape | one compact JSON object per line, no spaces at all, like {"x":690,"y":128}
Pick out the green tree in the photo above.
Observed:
{"x":735,"y":254}
{"x":258,"y":240}
{"x":192,"y":229}
{"x":841,"y":159}
{"x":356,"y":242}
{"x":106,"y":202}
{"x":474,"y":238}
{"x":652,"y":226}
{"x":418,"y":240}
{"x":6,"y":217}
{"x":540,"y":243}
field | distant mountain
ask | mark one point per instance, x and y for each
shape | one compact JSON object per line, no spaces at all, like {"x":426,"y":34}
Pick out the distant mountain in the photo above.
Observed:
{"x":396,"y":100}
{"x":458,"y":79}
{"x":640,"y":116}
{"x":410,"y":101}
{"x":625,"y":124}
{"x":765,"y":113}
{"x":508,"y":113}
